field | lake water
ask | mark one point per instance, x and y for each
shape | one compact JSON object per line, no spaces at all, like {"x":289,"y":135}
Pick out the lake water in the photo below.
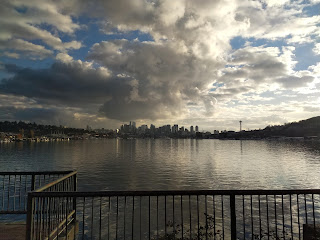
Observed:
{"x":161,"y":164}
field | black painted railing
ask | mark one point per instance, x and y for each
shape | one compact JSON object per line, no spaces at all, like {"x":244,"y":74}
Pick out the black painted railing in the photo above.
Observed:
{"x":50,"y":217}
{"x":203,"y":214}
{"x":54,"y":209}
{"x":14,"y":188}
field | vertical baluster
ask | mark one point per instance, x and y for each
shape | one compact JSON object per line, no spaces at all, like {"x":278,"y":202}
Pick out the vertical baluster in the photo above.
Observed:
{"x":14,"y":193}
{"x":84,"y":212}
{"x":38,"y":217}
{"x":198,"y":217}
{"x":149,"y":219}
{"x":45,"y":215}
{"x":259,"y":202}
{"x":275,"y":215}
{"x":20,"y":184}
{"x":25,"y":192}
{"x":165,"y":216}
{"x":305,"y":208}
{"x":132,"y":223}
{"x":41,"y":217}
{"x":59,"y":216}
{"x":190,"y":217}
{"x":124,"y":217}
{"x":313,"y":214}
{"x":214,"y":216}
{"x":243,"y":218}
{"x":298,"y":216}
{"x":109,"y":208}
{"x":181,"y":217}
{"x":233,"y":216}
{"x":174,"y":227}
{"x":34,"y":215}
{"x":33,"y":182}
{"x":206,"y":213}
{"x":222,"y":212}
{"x":268,"y":228}
{"x":8,"y":204}
{"x":92,"y":205}
{"x":3,"y":191}
{"x":100,"y":218}
{"x":283,"y":226}
{"x":67,"y":216}
{"x":74,"y":203}
{"x":49,"y":217}
{"x":157,"y":217}
{"x":117,"y":217}
{"x":251,"y":211}
{"x":291,"y":225}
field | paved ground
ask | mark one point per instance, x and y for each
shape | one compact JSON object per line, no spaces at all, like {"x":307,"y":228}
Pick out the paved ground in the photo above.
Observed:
{"x":12,"y":231}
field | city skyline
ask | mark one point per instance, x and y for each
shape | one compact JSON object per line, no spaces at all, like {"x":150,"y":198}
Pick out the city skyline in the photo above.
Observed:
{"x":168,"y":128}
{"x":103,"y":63}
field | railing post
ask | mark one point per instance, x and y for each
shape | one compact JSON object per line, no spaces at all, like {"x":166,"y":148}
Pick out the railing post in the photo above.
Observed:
{"x":33,"y":182}
{"x":30,"y":210}
{"x":75,"y":202}
{"x":233,"y":217}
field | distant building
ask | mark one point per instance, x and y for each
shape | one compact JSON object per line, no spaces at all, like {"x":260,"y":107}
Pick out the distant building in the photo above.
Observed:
{"x":167,"y":129}
{"x":126,"y":128}
{"x":143,"y":128}
{"x":175,"y":128}
{"x":197,"y":129}
{"x":191,"y":130}
{"x":152,"y":128}
{"x":133,"y":124}
{"x":216,"y":132}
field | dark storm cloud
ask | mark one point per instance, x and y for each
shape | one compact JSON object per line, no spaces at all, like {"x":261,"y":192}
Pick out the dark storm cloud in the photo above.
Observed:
{"x":292,"y":82}
{"x":69,"y":84}
{"x":40,"y":115}
{"x":164,"y":79}
{"x":137,"y":81}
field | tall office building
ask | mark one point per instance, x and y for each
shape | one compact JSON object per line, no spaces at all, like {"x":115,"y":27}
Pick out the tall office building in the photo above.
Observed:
{"x":191,"y":129}
{"x":197,"y":129}
{"x":152,"y":128}
{"x":175,"y":128}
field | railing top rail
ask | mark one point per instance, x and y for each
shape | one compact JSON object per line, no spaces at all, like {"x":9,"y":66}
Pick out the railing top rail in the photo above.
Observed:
{"x":173,"y":193}
{"x":35,"y":173}
{"x":55,"y":182}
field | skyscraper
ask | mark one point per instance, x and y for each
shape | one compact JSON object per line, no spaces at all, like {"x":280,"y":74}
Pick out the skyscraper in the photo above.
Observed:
{"x":175,"y":128}
{"x":197,"y":129}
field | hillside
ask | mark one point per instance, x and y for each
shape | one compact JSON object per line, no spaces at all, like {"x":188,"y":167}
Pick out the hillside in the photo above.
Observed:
{"x":308,"y":127}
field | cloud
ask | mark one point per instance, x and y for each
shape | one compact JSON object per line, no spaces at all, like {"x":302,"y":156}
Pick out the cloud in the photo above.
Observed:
{"x":27,"y":48}
{"x":11,"y":55}
{"x":135,"y":81}
{"x":25,"y":21}
{"x":295,"y":82}
{"x":189,"y":60}
{"x":165,"y":76}
{"x":276,"y":20}
{"x":75,"y":83}
{"x":257,"y":69}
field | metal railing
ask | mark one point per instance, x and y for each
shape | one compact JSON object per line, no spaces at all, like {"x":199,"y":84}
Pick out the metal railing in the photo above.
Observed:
{"x":205,"y":214}
{"x":14,"y":188}
{"x":48,"y":218}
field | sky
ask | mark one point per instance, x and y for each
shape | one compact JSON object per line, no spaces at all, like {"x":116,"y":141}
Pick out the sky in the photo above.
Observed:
{"x":209,"y":63}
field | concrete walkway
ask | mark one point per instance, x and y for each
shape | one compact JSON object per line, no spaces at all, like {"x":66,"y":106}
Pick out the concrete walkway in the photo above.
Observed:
{"x":12,"y":231}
